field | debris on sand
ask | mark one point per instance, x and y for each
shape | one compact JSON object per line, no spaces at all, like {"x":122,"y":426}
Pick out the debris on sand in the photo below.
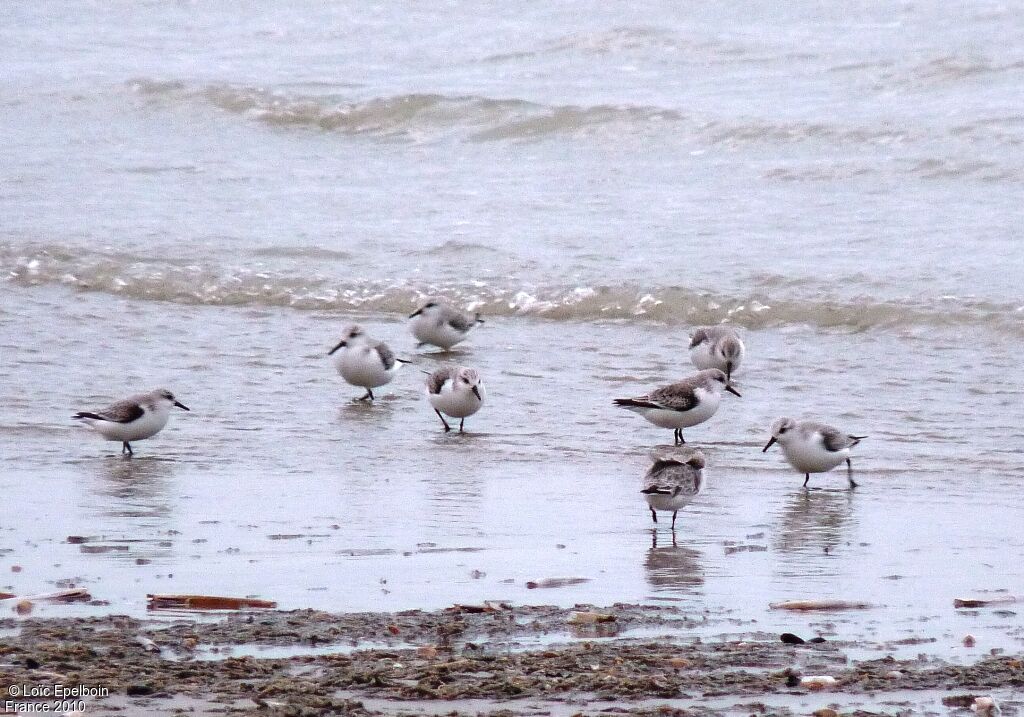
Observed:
{"x":206,"y":602}
{"x":806,"y":605}
{"x":1005,"y":600}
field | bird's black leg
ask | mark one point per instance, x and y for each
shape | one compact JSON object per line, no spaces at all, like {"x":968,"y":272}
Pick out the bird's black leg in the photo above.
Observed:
{"x":849,"y":474}
{"x":674,"y":519}
{"x":807,"y":477}
{"x":368,"y":396}
{"x":460,"y":424}
{"x":126,"y":448}
{"x":654,"y":515}
{"x":446,"y":426}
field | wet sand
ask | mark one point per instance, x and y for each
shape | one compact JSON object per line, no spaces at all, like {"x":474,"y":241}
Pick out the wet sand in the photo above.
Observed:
{"x":492,"y":658}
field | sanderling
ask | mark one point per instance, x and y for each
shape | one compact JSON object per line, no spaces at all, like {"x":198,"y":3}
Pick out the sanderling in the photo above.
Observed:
{"x":671,"y":483}
{"x":364,"y":361}
{"x":813,"y":447}
{"x":455,"y":391}
{"x":132,"y":419}
{"x":440,"y":325}
{"x":682,"y":404}
{"x":717,"y":347}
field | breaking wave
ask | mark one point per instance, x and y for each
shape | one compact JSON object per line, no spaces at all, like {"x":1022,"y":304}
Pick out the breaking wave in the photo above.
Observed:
{"x":409,"y":116}
{"x":419,"y":117}
{"x":148,"y":279}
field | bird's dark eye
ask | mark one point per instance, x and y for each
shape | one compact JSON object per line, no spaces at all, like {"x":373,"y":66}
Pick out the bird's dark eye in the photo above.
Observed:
{"x":782,"y":430}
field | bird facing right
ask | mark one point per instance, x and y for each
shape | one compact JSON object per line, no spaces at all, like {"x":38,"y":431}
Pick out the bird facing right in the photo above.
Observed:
{"x":812,"y":447}
{"x":717,"y":347}
{"x":441,"y":325}
{"x":681,"y":404}
{"x":457,"y":392}
{"x":671,"y":484}
{"x":132,"y":419}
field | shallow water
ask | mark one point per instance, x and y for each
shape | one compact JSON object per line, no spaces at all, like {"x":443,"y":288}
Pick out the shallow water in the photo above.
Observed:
{"x":203,"y":201}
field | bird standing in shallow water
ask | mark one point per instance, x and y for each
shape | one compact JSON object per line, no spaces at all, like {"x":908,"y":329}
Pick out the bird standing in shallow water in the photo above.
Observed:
{"x":812,"y":447}
{"x":441,"y":325}
{"x":455,"y":391}
{"x":364,"y":361}
{"x":133,"y":419}
{"x":671,"y":483}
{"x":682,"y":404}
{"x":717,"y":347}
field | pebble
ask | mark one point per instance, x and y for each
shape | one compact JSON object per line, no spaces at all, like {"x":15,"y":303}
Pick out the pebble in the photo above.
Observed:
{"x":818,"y":682}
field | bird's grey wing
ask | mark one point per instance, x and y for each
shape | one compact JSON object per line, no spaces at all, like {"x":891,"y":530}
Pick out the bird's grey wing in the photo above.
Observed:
{"x":670,"y":477}
{"x":459,"y":321}
{"x":662,"y":466}
{"x":699,"y":336}
{"x":387,"y":356}
{"x":124,"y":411}
{"x":436,"y":380}
{"x":676,"y":397}
{"x":718,"y":333}
{"x":834,"y":439}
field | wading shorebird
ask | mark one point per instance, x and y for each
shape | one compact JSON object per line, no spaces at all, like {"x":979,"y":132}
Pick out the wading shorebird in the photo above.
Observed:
{"x":132,"y":419}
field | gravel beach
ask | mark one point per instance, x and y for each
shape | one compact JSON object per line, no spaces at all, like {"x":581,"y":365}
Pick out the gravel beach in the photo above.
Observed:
{"x":479,"y":659}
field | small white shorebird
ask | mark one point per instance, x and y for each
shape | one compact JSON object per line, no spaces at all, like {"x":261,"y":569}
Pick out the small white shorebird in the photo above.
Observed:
{"x":457,"y":392}
{"x":364,"y":361}
{"x":672,"y":483}
{"x":682,"y":404}
{"x":717,"y":347}
{"x":132,"y":419}
{"x":813,"y":447}
{"x":441,"y":325}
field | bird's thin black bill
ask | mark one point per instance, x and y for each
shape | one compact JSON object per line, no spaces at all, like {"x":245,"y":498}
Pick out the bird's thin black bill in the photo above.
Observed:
{"x":182,"y":406}
{"x":771,"y":442}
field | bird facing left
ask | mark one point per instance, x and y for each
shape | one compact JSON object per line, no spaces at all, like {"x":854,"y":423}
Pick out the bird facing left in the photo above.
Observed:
{"x":364,"y":361}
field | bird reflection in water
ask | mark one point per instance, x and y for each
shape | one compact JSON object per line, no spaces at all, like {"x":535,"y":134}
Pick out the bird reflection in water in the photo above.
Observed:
{"x":135,"y":489}
{"x":815,"y":522}
{"x":132,"y":505}
{"x":672,"y":567}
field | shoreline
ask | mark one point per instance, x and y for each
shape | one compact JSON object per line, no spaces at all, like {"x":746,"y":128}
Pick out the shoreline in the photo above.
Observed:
{"x":478,"y":659}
